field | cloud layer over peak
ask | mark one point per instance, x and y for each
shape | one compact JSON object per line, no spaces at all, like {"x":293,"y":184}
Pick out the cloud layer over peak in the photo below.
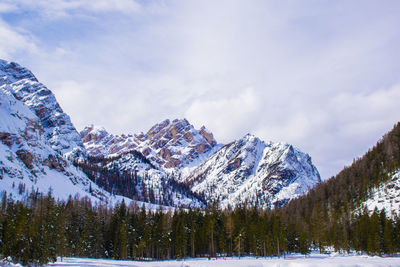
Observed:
{"x":322,"y":75}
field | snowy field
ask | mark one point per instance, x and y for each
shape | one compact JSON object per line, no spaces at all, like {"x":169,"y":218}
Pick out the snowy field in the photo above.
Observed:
{"x":314,"y":260}
{"x":292,"y":260}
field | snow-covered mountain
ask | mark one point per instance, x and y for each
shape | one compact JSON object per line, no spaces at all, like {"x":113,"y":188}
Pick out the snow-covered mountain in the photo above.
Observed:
{"x":166,"y":147}
{"x":250,"y":170}
{"x":169,"y":144}
{"x":34,"y":134}
{"x":266,"y":174}
{"x":57,"y":126}
{"x":41,"y":150}
{"x":172,"y":164}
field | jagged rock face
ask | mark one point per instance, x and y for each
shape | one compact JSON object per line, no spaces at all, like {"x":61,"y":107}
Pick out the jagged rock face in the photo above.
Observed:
{"x":30,"y":158}
{"x":22,"y":144}
{"x":57,"y":125}
{"x":250,"y":170}
{"x":99,"y":143}
{"x":167,"y":144}
{"x":177,"y":143}
{"x":11,"y":72}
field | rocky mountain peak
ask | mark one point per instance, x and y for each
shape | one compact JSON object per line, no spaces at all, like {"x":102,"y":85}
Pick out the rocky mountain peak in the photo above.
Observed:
{"x":11,"y":72}
{"x":157,"y":128}
{"x":177,"y":132}
{"x":23,"y":85}
{"x":34,"y":134}
{"x":177,"y":143}
{"x":100,"y":143}
{"x":169,"y":144}
{"x":93,"y":133}
{"x":264,"y":174}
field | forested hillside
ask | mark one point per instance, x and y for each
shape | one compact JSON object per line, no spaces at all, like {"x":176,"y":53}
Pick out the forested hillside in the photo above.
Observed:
{"x":354,"y":184}
{"x":333,"y":213}
{"x":132,"y":175}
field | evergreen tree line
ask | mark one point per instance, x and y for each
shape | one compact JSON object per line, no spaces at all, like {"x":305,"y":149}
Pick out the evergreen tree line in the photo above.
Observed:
{"x":338,"y":202}
{"x":107,"y":174}
{"x":37,"y":230}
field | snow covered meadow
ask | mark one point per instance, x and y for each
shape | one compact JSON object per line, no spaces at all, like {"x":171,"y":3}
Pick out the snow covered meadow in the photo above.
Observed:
{"x":289,"y":261}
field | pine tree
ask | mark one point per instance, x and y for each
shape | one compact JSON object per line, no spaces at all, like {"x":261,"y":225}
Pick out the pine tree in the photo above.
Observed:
{"x":239,"y":242}
{"x":119,"y":229}
{"x":388,"y":237}
{"x":373,"y":246}
{"x":304,"y":244}
{"x":229,"y":226}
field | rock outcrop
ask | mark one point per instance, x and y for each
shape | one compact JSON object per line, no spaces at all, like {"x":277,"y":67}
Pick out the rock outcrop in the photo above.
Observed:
{"x":169,"y":144}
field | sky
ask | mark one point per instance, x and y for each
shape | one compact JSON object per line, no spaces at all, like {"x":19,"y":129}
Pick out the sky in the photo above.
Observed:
{"x":322,"y":75}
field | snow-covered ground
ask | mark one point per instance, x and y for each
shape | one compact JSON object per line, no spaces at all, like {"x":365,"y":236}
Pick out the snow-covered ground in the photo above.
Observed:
{"x":292,"y":260}
{"x":315,"y":259}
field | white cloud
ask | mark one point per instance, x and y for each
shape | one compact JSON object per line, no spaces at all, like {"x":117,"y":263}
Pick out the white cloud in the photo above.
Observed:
{"x":306,"y":73}
{"x":14,"y":41}
{"x":360,"y":113}
{"x":75,"y":101}
{"x":228,"y":117}
{"x":7,"y":7}
{"x":348,"y":124}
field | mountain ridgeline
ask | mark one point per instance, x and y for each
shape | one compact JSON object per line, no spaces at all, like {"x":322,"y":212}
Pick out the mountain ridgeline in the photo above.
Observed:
{"x":248,"y":170}
{"x":172,"y":164}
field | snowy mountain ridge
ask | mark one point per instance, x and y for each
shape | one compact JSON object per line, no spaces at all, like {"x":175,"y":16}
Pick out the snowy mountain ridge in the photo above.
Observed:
{"x":171,"y":164}
{"x":266,"y":174}
{"x":40,"y":146}
{"x":252,"y":171}
{"x":168,"y":144}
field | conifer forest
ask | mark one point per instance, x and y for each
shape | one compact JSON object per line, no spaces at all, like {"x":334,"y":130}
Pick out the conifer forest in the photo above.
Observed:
{"x":40,"y":229}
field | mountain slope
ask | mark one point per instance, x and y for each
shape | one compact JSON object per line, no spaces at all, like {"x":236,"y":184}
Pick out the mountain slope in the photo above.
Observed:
{"x":28,"y":160}
{"x":38,"y":142}
{"x":57,"y":125}
{"x":372,"y":181}
{"x":386,"y":196}
{"x":250,"y":170}
{"x":131,"y":175}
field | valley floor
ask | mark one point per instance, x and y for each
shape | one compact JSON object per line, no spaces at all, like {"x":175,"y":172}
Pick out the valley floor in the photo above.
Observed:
{"x":314,"y":259}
